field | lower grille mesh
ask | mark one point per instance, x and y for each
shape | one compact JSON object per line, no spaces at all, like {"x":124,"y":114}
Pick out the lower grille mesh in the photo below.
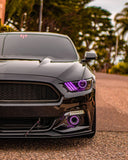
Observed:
{"x":24,"y":123}
{"x":23,"y":91}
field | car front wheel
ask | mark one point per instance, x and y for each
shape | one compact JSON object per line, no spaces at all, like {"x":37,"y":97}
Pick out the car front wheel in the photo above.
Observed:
{"x":93,"y":126}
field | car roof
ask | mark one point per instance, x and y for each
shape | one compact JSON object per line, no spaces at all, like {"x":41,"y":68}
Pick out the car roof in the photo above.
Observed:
{"x":35,"y":33}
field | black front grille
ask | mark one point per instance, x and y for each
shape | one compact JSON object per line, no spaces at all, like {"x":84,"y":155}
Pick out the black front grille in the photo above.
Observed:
{"x":27,"y":92}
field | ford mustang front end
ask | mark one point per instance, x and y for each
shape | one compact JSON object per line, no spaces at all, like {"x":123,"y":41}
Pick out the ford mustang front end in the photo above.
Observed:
{"x":45,"y":91}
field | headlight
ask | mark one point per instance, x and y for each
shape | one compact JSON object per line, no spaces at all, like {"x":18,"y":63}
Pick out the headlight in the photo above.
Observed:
{"x":80,"y":85}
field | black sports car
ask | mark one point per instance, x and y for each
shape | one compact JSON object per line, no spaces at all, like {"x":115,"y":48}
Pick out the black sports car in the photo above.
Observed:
{"x":45,"y":91}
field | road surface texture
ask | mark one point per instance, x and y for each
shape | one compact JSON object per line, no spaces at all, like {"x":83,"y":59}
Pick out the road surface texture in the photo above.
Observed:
{"x":110,"y":142}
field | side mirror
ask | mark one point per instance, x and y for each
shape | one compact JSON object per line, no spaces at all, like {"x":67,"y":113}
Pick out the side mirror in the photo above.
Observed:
{"x":89,"y":56}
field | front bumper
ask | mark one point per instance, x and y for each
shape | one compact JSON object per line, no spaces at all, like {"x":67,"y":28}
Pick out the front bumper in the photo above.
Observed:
{"x":59,"y":127}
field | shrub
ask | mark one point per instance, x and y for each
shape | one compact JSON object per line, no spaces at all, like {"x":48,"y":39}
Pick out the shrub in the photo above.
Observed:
{"x":120,"y":68}
{"x":6,"y":28}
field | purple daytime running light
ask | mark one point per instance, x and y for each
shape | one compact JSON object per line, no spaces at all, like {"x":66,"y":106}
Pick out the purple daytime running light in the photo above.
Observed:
{"x":70,"y":86}
{"x":74,"y":123}
{"x":73,"y":86}
{"x":82,"y":81}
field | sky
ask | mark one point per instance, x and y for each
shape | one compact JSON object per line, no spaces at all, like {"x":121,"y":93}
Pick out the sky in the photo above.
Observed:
{"x":113,"y":6}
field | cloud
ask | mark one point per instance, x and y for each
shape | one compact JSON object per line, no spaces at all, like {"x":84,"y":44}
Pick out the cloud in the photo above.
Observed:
{"x":114,"y":6}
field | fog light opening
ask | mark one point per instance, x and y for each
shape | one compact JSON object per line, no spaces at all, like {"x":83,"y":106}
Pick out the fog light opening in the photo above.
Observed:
{"x":74,"y":120}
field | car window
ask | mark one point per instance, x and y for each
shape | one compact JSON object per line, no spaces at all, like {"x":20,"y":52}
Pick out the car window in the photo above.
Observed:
{"x":55,"y":47}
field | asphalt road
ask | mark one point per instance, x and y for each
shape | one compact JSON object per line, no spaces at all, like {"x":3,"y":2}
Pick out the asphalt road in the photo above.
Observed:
{"x":110,"y":142}
{"x":112,"y":102}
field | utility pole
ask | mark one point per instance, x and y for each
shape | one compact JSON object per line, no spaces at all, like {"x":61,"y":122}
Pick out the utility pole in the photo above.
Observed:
{"x":40,"y":16}
{"x":117,"y":44}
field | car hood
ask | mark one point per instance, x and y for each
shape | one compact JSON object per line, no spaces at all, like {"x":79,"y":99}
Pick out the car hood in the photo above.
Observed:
{"x":63,"y":71}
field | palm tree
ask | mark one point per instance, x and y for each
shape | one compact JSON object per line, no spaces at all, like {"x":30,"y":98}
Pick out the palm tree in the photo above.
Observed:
{"x":122,"y":21}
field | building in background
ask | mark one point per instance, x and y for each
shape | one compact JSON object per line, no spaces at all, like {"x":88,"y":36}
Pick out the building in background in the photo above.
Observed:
{"x":2,"y":10}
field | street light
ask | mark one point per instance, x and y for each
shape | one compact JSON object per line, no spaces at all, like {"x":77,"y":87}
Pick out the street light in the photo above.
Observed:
{"x":40,"y":16}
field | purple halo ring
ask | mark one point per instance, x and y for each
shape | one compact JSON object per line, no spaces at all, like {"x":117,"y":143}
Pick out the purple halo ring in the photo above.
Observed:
{"x":82,"y":84}
{"x":74,"y":122}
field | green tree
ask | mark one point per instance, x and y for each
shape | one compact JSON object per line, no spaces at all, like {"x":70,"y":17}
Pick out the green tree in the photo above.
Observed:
{"x":5,"y":28}
{"x":95,"y":24}
{"x":89,"y":27}
{"x":106,"y":48}
{"x":53,"y":12}
{"x":97,"y":34}
{"x":122,"y":21}
{"x":126,"y":53}
{"x":58,"y":15}
{"x":16,"y":12}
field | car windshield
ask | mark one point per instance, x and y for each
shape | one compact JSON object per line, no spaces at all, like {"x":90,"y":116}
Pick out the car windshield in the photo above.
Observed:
{"x":29,"y":45}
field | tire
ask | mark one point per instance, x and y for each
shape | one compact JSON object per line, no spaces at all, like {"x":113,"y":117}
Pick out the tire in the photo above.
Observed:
{"x":93,"y":126}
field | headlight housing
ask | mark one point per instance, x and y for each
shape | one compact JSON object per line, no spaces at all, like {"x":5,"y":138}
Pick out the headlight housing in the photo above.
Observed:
{"x":78,"y":86}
